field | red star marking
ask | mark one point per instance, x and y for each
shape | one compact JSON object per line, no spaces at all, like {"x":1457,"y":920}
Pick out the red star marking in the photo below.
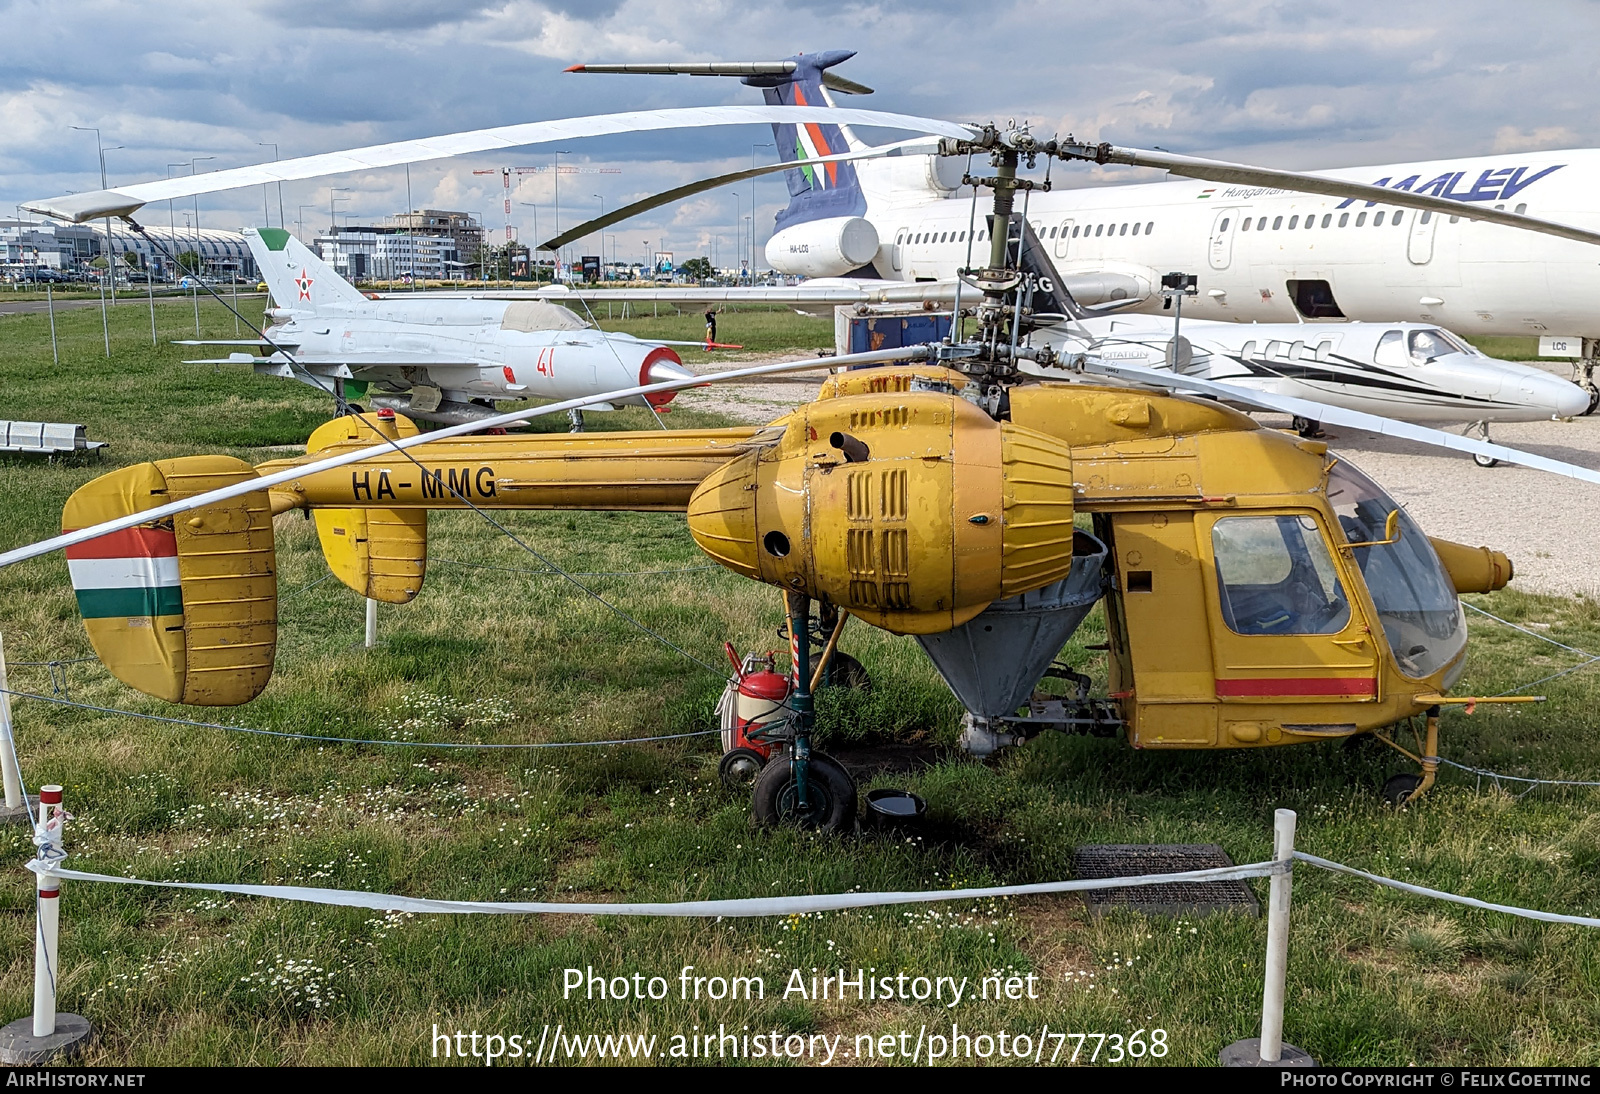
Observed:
{"x":304,"y":283}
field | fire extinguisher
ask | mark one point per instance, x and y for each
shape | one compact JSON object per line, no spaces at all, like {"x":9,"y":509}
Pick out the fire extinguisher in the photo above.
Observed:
{"x":756,"y":716}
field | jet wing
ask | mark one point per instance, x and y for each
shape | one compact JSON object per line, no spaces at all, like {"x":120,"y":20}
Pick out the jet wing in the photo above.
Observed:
{"x":261,"y":342}
{"x":315,"y":361}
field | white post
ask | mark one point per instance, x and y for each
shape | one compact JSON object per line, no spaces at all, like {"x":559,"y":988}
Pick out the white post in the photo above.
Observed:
{"x":1283,"y":821}
{"x":8,"y":760}
{"x":46,"y":952}
{"x":372,"y":623}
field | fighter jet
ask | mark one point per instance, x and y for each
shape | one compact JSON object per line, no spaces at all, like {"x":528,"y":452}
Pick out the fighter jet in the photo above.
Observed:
{"x":441,"y":358}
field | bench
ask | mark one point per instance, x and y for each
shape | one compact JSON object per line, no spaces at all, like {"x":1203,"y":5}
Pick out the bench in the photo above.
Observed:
{"x":45,"y":438}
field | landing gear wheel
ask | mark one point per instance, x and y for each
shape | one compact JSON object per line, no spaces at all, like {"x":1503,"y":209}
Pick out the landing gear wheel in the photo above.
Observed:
{"x":1594,"y":395}
{"x":830,"y":793}
{"x":845,"y":671}
{"x":740,"y":767}
{"x":1308,"y":428}
{"x":1485,"y":461}
{"x":1399,"y":788}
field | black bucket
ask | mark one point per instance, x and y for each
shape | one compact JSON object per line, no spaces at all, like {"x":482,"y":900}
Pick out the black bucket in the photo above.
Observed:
{"x":895,"y":808}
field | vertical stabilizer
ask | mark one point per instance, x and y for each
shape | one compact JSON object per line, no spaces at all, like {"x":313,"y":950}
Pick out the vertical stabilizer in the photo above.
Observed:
{"x":297,"y":278}
{"x":822,"y":191}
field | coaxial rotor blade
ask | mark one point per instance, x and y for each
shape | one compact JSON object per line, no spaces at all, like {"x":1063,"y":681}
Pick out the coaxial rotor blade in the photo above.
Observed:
{"x":667,"y":197}
{"x":1333,"y":415}
{"x":126,"y":200}
{"x":261,"y":482}
{"x":1301,"y":182}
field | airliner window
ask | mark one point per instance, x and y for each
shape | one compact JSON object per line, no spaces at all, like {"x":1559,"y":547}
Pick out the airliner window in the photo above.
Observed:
{"x":1099,"y":229}
{"x":1344,"y":219}
{"x":1427,"y":215}
{"x":1391,"y":352}
{"x":1397,"y":218}
{"x":1223,"y":227}
{"x":1275,"y":576}
{"x":1136,"y":229}
{"x":1149,"y":227}
{"x":1248,"y":351}
{"x":1520,"y":209}
{"x":1327,"y":218}
{"x":1294,"y":222}
{"x":1052,"y":233}
{"x":1361,"y":220}
{"x":1377,"y":221}
{"x":1277,"y":222}
{"x":1074,"y":232}
{"x":1276,"y":349}
{"x":1324,"y":350}
{"x":1415,"y":598}
{"x":1245,"y":227}
{"x":1124,"y":230}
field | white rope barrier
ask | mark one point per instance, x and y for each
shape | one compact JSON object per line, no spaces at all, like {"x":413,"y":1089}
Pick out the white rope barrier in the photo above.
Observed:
{"x":1421,"y":890}
{"x":746,"y":907}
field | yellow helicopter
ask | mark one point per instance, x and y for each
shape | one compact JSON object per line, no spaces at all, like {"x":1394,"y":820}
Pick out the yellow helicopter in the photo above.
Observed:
{"x":1258,"y":589}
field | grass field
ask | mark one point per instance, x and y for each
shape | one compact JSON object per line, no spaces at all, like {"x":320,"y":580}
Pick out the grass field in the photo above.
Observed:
{"x":500,"y":656}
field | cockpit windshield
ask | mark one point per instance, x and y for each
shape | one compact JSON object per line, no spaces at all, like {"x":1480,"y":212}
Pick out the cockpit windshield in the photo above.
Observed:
{"x":1415,"y":597}
{"x":1425,"y":345}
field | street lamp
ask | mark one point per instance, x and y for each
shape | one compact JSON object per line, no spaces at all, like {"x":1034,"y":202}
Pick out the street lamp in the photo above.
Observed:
{"x":532,"y":263}
{"x":556,"y":171}
{"x":333,"y":223}
{"x":274,"y":147}
{"x":602,"y":202}
{"x":753,"y":148}
{"x":738,"y":232}
{"x":105,"y":323}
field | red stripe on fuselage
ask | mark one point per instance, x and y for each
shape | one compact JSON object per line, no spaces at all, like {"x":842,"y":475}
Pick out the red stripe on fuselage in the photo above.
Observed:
{"x":1364,"y":686}
{"x":128,"y":543}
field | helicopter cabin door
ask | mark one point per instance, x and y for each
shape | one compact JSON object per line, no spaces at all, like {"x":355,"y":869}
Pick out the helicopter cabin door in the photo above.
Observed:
{"x":1285,"y":627}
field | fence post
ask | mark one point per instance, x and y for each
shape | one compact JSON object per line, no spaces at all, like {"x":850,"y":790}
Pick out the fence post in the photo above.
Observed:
{"x":17,"y":807}
{"x":372,"y":623}
{"x":46,"y":1034}
{"x":1268,"y":1050}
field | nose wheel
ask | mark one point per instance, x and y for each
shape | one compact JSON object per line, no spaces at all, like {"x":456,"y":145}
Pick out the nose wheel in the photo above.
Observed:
{"x":1401,"y":790}
{"x":1482,"y":430}
{"x":830,"y":804}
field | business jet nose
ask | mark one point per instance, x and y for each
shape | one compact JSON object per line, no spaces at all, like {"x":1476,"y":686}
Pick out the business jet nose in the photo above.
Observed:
{"x":1567,"y":400}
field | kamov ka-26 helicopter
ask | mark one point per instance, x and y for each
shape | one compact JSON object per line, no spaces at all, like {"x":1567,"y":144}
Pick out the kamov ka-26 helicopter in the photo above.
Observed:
{"x":1259,"y":590}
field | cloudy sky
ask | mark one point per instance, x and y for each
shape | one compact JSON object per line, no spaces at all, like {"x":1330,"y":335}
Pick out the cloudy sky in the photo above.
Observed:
{"x":1284,"y":84}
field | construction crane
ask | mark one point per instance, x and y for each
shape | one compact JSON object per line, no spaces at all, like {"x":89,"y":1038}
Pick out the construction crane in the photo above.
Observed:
{"x":505,"y":174}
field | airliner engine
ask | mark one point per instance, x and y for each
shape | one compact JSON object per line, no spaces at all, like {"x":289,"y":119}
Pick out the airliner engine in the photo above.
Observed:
{"x":823,"y":248}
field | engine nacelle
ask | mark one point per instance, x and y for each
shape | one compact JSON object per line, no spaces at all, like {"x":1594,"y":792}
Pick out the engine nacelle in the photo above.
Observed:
{"x":823,"y":248}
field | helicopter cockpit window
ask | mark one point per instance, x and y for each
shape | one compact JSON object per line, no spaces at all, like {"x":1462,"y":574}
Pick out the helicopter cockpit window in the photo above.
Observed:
{"x":1415,"y":598}
{"x":1275,"y":576}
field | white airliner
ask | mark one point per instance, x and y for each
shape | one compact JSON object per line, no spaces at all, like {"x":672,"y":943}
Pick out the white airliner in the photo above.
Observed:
{"x":1262,"y":255}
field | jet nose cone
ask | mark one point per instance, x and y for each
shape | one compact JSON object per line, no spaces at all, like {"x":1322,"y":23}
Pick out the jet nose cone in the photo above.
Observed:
{"x":661,"y":371}
{"x":661,"y":366}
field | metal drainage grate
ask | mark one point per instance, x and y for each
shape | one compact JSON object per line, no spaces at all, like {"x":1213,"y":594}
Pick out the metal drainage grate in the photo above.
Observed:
{"x":1179,"y":898}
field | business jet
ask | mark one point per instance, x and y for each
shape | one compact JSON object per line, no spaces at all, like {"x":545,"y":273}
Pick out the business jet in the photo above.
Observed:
{"x":1263,"y":254}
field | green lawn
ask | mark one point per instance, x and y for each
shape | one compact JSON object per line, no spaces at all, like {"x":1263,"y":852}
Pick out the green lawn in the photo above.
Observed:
{"x":489,"y":655}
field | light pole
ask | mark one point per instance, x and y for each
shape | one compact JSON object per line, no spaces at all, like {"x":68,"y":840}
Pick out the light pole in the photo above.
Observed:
{"x":753,"y":148}
{"x":172,"y":228}
{"x":105,"y":322}
{"x":556,"y":171}
{"x":199,"y":255}
{"x":269,"y":144}
{"x":738,"y":232}
{"x":333,"y":227}
{"x":532,"y":264}
{"x":602,"y":202}
{"x":300,"y":220}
